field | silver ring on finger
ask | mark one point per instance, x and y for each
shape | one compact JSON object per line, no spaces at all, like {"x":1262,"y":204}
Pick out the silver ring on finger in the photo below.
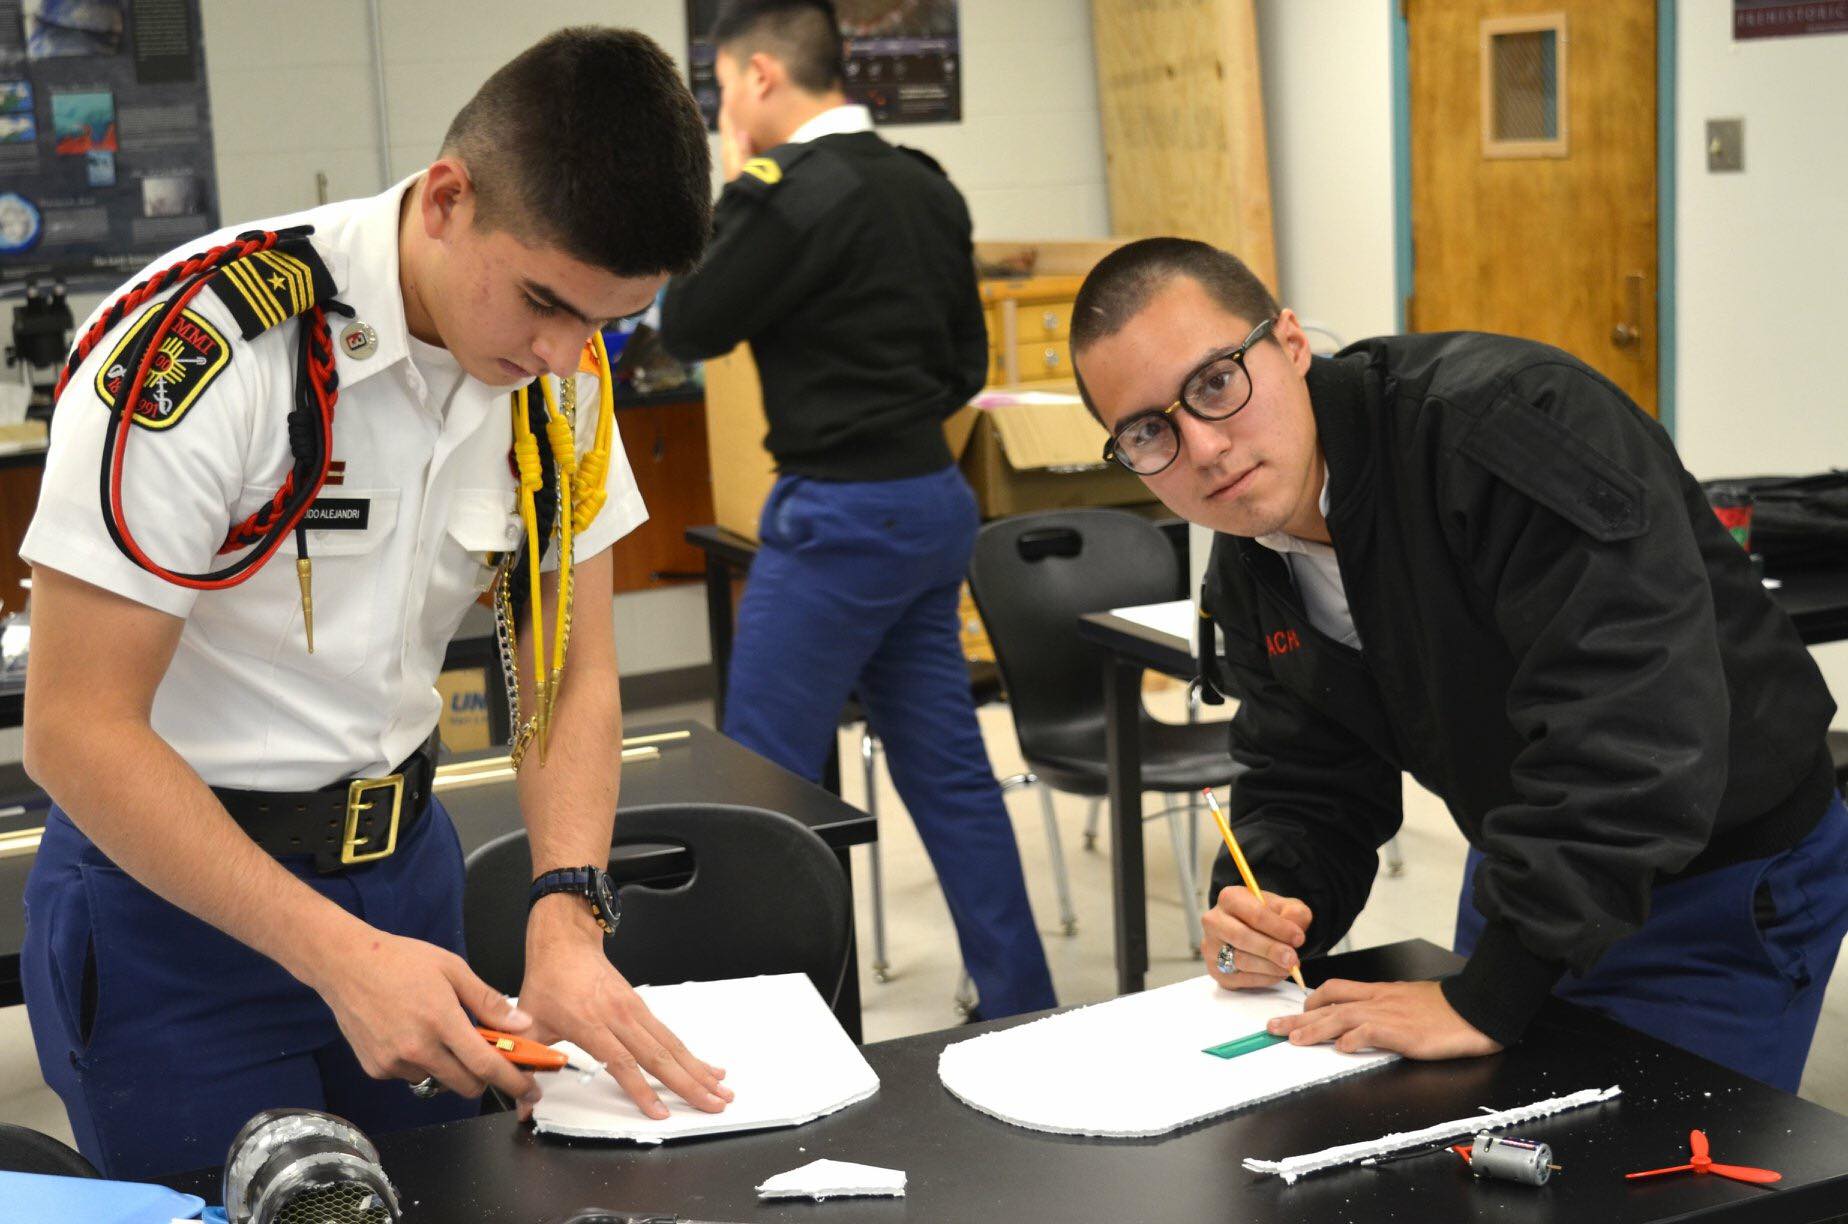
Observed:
{"x":426,"y":1088}
{"x":1228,"y":959}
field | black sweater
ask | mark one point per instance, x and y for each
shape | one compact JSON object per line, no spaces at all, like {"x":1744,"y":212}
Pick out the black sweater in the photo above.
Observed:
{"x":1560,"y":640}
{"x":846,"y":263}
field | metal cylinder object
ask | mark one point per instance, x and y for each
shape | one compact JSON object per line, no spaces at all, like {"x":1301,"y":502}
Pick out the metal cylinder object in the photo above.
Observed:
{"x":1516,"y":1160}
{"x":302,"y":1166}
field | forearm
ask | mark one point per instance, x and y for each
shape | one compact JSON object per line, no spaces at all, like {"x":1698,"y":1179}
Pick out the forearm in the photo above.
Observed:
{"x":146,"y":808}
{"x":568,"y":794}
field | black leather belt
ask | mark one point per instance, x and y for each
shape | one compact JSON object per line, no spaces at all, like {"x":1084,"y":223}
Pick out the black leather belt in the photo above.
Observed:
{"x":347,"y":824}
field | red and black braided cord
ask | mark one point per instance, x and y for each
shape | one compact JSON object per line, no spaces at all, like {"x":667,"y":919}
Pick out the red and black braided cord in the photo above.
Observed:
{"x":311,"y":419}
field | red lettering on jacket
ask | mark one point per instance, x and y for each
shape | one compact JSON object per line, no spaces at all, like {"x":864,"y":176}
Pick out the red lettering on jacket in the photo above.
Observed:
{"x":1282,"y":642}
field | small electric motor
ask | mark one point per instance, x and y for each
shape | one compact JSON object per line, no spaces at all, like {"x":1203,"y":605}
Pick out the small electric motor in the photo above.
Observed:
{"x":1516,"y":1160}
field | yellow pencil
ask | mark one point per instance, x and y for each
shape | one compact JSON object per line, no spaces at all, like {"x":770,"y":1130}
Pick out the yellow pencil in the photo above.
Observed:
{"x":1244,"y":868}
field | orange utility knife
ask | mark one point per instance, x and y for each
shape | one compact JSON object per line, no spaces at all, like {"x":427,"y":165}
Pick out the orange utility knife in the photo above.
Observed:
{"x":529,"y":1054}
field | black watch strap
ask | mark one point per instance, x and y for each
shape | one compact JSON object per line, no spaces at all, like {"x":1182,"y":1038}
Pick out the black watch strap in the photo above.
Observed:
{"x":590,"y":883}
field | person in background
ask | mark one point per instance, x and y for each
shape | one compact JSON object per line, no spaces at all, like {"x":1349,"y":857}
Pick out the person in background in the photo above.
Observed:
{"x":846,"y":264}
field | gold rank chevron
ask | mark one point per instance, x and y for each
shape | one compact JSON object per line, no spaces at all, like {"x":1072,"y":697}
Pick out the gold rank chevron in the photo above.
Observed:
{"x":274,"y":284}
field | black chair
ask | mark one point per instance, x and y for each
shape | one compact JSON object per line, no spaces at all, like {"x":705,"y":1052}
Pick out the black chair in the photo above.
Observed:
{"x":1838,"y":757}
{"x":24,"y":1150}
{"x":1033,"y":576}
{"x":766,"y":895}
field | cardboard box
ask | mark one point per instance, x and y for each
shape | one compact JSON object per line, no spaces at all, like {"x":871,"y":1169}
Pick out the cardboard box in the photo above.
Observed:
{"x":1044,"y":453}
{"x":1018,"y":458}
{"x":465,"y":709}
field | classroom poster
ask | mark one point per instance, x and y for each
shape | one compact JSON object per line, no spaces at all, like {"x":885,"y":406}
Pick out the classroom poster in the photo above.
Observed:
{"x":904,"y":59}
{"x":105,"y":137}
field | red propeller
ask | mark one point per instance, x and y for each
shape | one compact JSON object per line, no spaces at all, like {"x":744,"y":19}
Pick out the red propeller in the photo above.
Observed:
{"x":1701,"y":1162}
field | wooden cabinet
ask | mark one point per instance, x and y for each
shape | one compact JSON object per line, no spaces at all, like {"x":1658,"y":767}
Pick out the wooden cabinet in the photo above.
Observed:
{"x":19,"y":490}
{"x":1029,"y":320}
{"x":666,"y":445}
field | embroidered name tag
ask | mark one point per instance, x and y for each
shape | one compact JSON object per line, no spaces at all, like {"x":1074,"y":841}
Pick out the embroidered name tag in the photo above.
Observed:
{"x":338,"y":514}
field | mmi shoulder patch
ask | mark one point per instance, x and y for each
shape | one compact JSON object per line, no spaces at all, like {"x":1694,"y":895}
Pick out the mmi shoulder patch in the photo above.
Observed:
{"x":191,"y":355}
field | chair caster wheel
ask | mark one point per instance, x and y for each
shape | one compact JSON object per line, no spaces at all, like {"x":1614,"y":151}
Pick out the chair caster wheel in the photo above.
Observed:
{"x":1090,"y":841}
{"x":1071,"y":928}
{"x":882,"y":972}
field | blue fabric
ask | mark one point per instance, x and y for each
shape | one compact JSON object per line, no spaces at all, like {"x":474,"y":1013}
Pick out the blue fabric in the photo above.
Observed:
{"x":39,"y":1196}
{"x":1731,"y":964}
{"x":163,"y":1035}
{"x":855,"y":591}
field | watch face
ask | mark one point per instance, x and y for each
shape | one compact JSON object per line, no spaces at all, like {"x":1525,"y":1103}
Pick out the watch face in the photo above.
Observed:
{"x":605,"y":897}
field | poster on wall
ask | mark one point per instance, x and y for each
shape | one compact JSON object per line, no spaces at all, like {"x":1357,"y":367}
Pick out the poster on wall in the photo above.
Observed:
{"x":904,"y":59}
{"x":105,"y":137}
{"x":1782,"y":18}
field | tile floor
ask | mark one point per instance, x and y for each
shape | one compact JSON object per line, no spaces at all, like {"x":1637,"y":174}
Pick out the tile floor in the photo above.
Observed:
{"x":925,"y":972}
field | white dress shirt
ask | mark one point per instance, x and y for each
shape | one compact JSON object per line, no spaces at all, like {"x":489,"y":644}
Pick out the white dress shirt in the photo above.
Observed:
{"x":243,"y":701}
{"x":1317,"y":575}
{"x":835,"y":121}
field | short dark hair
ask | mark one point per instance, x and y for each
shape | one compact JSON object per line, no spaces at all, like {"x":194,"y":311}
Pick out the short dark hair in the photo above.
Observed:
{"x":804,"y":34}
{"x":589,"y":141}
{"x":1118,"y":288}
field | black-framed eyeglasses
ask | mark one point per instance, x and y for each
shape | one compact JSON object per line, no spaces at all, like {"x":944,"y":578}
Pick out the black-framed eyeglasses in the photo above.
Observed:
{"x":1217,"y":388}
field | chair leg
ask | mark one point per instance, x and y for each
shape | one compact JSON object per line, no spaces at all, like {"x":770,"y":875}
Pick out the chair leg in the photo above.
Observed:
{"x":1090,"y":823}
{"x":1068,"y":918}
{"x":869,"y":752}
{"x":1395,"y":862}
{"x":1183,"y":868}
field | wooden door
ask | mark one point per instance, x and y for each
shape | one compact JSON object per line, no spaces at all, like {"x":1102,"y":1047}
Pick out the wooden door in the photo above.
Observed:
{"x":1533,"y":158}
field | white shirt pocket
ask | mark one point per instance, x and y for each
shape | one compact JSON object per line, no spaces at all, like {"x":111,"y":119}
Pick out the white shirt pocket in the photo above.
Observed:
{"x":355,"y":584}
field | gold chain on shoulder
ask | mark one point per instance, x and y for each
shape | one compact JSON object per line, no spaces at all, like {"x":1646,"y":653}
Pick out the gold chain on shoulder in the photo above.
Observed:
{"x":580,"y":490}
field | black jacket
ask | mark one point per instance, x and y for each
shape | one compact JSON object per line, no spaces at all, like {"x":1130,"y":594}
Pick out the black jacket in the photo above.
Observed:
{"x":846,"y":262}
{"x":1559,"y":639}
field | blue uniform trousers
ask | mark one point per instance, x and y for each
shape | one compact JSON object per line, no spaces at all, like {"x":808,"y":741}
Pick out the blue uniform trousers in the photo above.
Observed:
{"x":1730,"y":964}
{"x":163,"y":1035}
{"x":855,"y":591}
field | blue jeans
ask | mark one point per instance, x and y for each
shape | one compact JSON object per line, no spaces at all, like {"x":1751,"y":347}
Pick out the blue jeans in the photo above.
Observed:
{"x":854,"y":592}
{"x":163,"y":1035}
{"x":1730,"y":964}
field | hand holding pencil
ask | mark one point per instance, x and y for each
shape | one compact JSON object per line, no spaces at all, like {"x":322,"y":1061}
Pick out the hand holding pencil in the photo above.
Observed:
{"x":1251,"y":938}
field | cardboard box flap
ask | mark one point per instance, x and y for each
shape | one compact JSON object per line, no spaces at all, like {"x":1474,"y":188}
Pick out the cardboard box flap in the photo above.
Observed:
{"x":1041,"y":430}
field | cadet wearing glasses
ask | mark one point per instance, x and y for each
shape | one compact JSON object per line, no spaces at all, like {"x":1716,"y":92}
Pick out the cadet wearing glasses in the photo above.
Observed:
{"x":1473,"y":559}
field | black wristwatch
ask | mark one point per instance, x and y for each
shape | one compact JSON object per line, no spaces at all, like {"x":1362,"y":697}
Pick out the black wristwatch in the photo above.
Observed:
{"x":590,"y":883}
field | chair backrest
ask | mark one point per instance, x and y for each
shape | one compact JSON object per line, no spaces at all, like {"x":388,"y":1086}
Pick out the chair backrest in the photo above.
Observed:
{"x":23,"y":1150}
{"x":766,"y":895}
{"x":1033,"y":575}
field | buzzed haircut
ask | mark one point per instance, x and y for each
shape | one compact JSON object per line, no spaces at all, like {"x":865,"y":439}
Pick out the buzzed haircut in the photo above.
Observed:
{"x":804,"y":35}
{"x":588,"y":141}
{"x":1116,"y":290}
{"x":1120,"y":285}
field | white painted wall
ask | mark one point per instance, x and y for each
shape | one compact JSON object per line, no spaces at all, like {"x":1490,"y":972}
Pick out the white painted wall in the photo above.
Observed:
{"x":1326,"y":66}
{"x":293,"y":93}
{"x":1762,"y":259}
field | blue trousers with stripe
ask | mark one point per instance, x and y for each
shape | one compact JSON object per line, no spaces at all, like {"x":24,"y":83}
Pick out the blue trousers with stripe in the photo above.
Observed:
{"x":163,"y":1035}
{"x":1730,"y":964}
{"x":854,"y":592}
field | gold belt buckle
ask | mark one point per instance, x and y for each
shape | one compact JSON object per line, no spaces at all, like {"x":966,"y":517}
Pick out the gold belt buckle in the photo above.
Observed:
{"x":351,"y":841}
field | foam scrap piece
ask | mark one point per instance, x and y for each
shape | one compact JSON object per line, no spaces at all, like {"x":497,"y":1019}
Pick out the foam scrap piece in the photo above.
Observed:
{"x":1294,"y":1167}
{"x":1136,"y":1066}
{"x":823,"y":1179}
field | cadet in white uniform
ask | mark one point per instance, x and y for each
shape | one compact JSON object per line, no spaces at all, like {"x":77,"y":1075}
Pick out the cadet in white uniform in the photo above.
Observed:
{"x":233,"y":907}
